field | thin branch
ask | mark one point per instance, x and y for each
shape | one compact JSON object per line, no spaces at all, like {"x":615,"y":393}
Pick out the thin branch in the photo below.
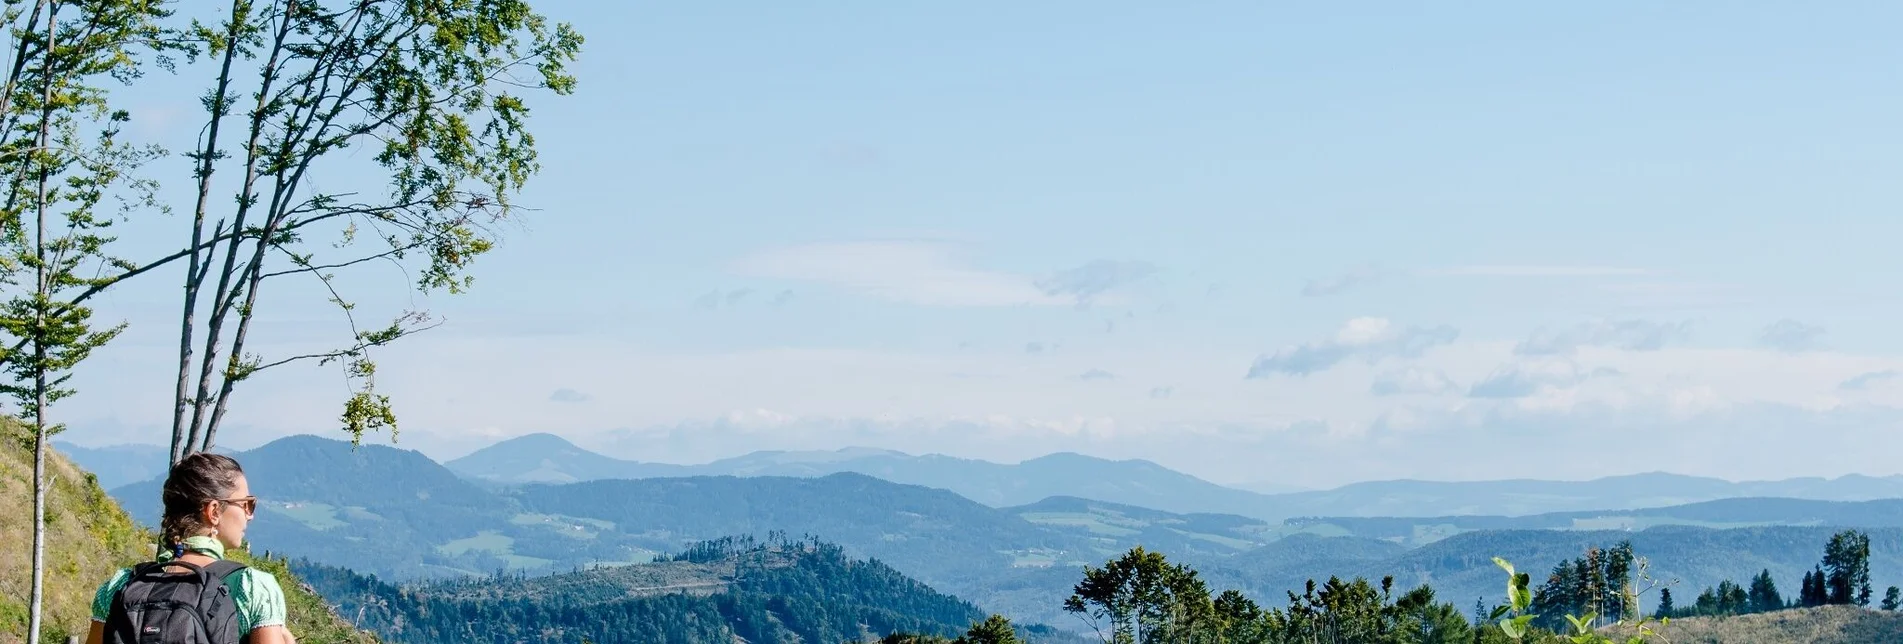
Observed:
{"x":368,"y":258}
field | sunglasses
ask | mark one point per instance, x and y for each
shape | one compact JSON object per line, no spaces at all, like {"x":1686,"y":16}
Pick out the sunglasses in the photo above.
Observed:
{"x":249,"y":504}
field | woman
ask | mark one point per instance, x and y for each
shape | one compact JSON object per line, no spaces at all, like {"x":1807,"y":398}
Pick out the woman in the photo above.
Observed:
{"x":208,"y":504}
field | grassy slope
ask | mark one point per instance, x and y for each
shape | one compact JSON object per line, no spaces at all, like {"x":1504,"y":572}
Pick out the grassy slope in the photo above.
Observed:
{"x":89,"y":538}
{"x":1828,"y":624}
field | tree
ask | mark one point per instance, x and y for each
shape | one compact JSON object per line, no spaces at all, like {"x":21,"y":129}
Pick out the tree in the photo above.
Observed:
{"x":1890,"y":599}
{"x":1763,"y":596}
{"x":62,"y":160}
{"x":1732,"y":598}
{"x":1846,"y":568}
{"x":427,"y":89}
{"x":1665,"y":602}
{"x":1813,"y":593}
{"x":994,"y":630}
{"x":1142,"y":598}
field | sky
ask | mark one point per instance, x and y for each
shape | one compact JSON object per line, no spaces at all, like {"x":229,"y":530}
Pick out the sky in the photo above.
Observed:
{"x":1300,"y":245}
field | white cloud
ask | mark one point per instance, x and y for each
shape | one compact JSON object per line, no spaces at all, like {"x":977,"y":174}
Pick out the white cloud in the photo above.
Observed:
{"x":1365,"y":337}
{"x":1342,"y":283}
{"x":1180,"y":405}
{"x":1863,"y":381}
{"x":1412,"y":381}
{"x":1790,"y":335}
{"x":935,"y":273}
{"x":1627,"y":335}
{"x":1538,"y":271}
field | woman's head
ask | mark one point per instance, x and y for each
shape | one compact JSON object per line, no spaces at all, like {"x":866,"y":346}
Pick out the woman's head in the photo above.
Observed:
{"x":206,"y":495}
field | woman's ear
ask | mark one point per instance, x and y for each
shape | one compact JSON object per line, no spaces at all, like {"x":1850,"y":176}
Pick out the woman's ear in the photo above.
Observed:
{"x":209,"y":514}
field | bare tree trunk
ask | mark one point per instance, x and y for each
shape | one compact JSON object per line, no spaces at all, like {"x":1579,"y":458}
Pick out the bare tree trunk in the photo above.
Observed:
{"x":44,"y":289}
{"x":194,"y":275}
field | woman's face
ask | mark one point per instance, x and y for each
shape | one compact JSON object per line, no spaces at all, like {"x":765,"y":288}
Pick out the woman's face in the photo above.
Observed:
{"x":232,"y":514}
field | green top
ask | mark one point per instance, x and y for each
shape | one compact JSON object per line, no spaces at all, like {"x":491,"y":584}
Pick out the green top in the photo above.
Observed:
{"x":260,"y":601}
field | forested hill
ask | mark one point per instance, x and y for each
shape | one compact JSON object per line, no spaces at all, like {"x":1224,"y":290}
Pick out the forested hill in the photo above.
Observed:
{"x":720,"y":591}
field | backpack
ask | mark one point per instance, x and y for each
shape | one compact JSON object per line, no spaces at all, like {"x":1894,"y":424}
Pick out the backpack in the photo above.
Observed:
{"x":160,"y":607}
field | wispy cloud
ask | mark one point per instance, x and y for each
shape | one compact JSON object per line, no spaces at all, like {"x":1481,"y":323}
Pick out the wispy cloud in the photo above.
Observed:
{"x":1096,"y":374}
{"x":1864,"y":381}
{"x":934,"y":273}
{"x":1160,"y":393}
{"x":1628,"y":335}
{"x":566,"y":395}
{"x":1370,"y":338}
{"x":1338,"y":284}
{"x":1525,"y":379}
{"x":1085,"y":283}
{"x":1411,"y":381}
{"x":1790,"y":335}
{"x":1536,"y":270}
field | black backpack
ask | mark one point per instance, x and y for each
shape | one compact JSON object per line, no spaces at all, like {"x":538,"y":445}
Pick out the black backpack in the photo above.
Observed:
{"x":160,"y":607}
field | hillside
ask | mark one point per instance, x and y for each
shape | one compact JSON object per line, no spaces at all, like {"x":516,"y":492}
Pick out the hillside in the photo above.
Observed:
{"x":118,"y":465}
{"x":89,"y":538}
{"x":546,"y":458}
{"x":727,"y":591}
{"x":1020,"y":561}
{"x":1461,"y":567}
{"x":1822,"y":625}
{"x":1740,"y":512}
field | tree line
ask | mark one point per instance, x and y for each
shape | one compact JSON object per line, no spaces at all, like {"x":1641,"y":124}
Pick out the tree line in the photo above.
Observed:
{"x":1841,"y":577}
{"x":1143,"y":598}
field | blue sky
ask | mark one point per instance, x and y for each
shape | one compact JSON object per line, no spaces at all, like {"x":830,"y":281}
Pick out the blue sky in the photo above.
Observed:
{"x":1301,"y":244}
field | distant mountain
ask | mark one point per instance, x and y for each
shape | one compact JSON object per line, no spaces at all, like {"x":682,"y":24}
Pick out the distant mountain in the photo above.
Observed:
{"x":117,"y":465}
{"x":1406,"y":498}
{"x":546,"y":458}
{"x":722,"y":593}
{"x":323,"y":500}
{"x":1461,"y":566}
{"x":1114,"y":527}
{"x":1723,"y":513}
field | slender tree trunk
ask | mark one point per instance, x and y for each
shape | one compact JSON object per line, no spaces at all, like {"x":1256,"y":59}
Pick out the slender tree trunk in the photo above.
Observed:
{"x":253,"y":272}
{"x":44,"y":290}
{"x":182,"y":440}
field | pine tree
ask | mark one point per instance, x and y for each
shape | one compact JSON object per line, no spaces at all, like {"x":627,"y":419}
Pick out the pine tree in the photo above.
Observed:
{"x":1620,"y":600}
{"x":1763,"y":595}
{"x":1847,"y":565}
{"x":1890,"y":599}
{"x":1665,"y":602}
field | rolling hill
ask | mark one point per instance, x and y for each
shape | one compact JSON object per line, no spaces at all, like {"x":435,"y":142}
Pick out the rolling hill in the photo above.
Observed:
{"x":729,"y":591}
{"x":324,"y":501}
{"x":546,"y":458}
{"x":89,"y":537}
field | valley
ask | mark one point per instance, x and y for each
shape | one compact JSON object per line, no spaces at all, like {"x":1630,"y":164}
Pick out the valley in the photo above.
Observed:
{"x":324,"y":500}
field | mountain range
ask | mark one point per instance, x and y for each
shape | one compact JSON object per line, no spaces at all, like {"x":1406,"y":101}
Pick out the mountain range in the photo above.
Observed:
{"x":547,"y":458}
{"x":323,"y":500}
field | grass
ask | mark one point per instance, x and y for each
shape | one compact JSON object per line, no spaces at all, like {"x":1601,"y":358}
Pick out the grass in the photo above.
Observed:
{"x":1833,"y":624}
{"x":486,"y":541}
{"x":567,"y":526}
{"x":316,"y":516}
{"x":88,"y":538}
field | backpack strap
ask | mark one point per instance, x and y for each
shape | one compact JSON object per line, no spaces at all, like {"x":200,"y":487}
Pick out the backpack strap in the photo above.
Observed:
{"x":223,"y":568}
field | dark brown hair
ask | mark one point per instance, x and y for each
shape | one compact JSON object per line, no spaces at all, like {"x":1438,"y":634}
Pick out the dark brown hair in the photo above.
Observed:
{"x":196,"y":479}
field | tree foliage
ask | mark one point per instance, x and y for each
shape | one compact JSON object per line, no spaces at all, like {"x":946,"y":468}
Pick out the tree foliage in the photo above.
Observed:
{"x":430,"y":92}
{"x":1846,"y":568}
